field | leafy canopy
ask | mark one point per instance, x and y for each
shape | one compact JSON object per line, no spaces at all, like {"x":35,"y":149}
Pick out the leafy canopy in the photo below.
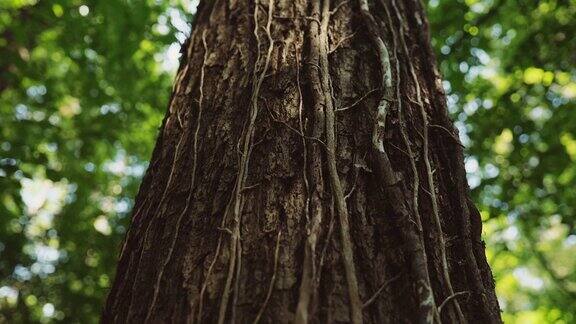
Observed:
{"x":83,"y":86}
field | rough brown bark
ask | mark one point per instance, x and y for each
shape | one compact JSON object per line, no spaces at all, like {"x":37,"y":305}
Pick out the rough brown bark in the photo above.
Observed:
{"x":306,"y":172}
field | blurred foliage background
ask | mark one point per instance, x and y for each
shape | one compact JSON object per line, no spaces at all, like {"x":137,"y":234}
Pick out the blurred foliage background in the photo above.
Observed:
{"x":83,"y":88}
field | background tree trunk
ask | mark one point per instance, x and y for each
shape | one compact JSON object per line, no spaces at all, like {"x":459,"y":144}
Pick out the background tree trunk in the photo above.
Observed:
{"x":306,"y":171}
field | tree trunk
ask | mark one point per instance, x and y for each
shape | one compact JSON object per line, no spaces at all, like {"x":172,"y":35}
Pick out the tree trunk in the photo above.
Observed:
{"x":306,"y":171}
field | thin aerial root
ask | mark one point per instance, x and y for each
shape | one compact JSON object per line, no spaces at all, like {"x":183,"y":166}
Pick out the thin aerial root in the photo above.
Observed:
{"x":246,"y":141}
{"x":192,"y":185}
{"x":358,"y":101}
{"x":323,"y":103}
{"x":303,"y":133}
{"x":386,"y":74}
{"x":327,"y":242}
{"x":175,"y":91}
{"x":349,"y":194}
{"x":205,"y":283}
{"x":431,"y":186}
{"x":403,"y":152}
{"x":340,"y":42}
{"x":229,"y":277}
{"x":226,"y":230}
{"x":300,"y":133}
{"x":447,"y":300}
{"x":403,"y":132}
{"x":379,"y":291}
{"x":388,"y":176}
{"x":272,"y":280}
{"x":248,"y":188}
{"x":150,"y":222}
{"x":216,"y":254}
{"x":338,"y":7}
{"x":237,"y":282}
{"x":456,"y":139}
{"x":337,"y":191}
{"x":172,"y":170}
{"x":129,"y":233}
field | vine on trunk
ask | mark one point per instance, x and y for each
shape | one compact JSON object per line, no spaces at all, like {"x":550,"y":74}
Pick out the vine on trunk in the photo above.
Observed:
{"x":368,"y":249}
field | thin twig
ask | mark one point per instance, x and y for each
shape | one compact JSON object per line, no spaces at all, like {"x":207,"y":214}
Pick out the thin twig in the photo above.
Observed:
{"x":379,"y":291}
{"x":449,"y":133}
{"x":302,"y":132}
{"x":247,"y":188}
{"x":248,"y":136}
{"x":356,"y":172}
{"x":399,"y":149}
{"x":426,"y":299}
{"x":336,"y":186}
{"x":359,"y":100}
{"x":192,"y":185}
{"x":340,"y":5}
{"x":222,"y":229}
{"x":340,"y":42}
{"x":272,"y":280}
{"x":328,"y":238}
{"x":454,"y":295}
{"x":430,"y":178}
